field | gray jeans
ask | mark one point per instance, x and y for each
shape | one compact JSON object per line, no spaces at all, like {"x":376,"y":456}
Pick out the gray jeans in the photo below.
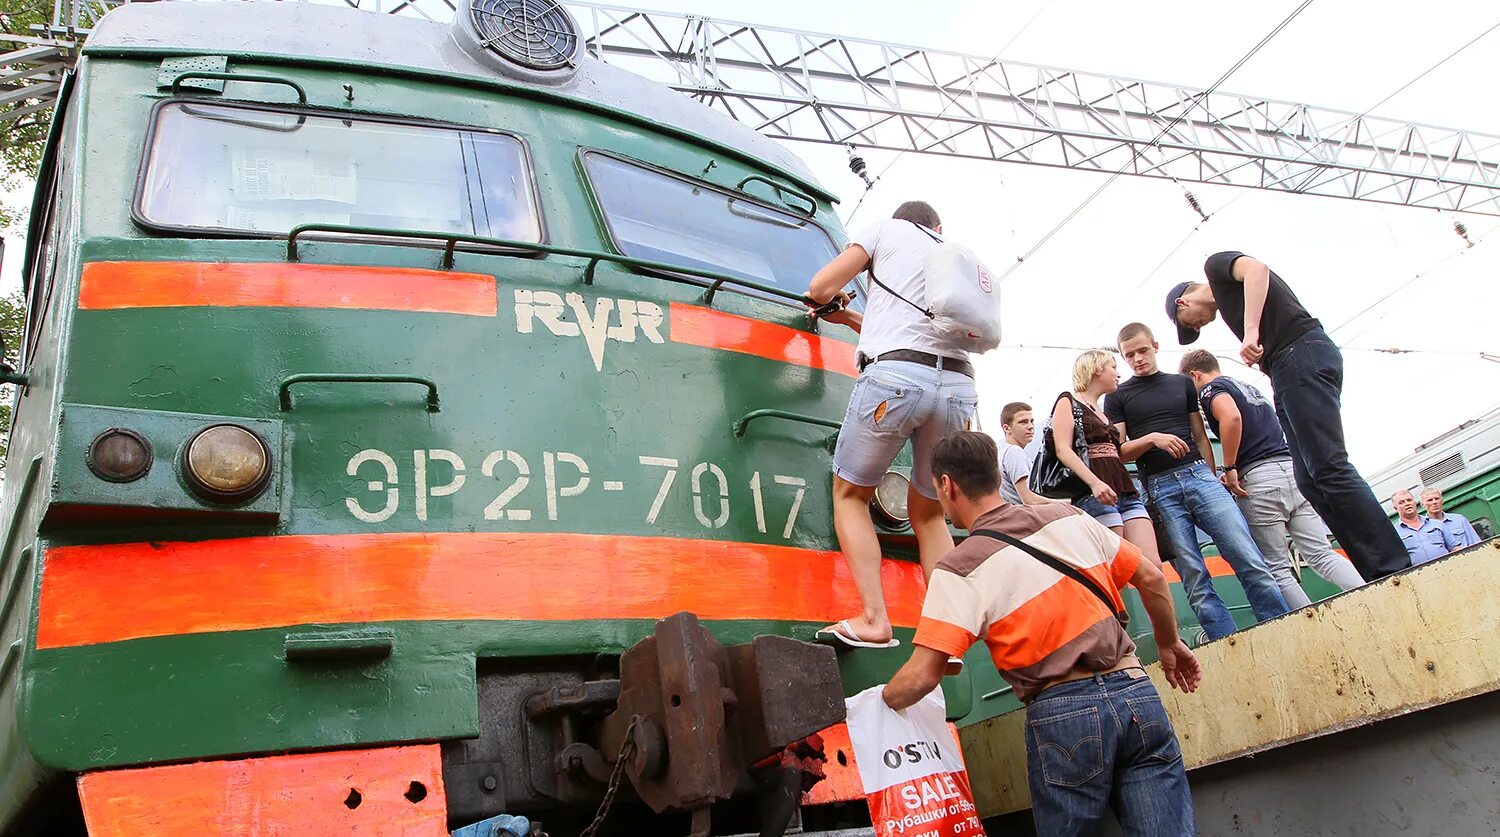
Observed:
{"x":1275,"y":510}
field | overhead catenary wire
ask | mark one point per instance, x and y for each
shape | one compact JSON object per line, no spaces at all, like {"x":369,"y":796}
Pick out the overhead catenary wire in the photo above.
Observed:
{"x":973,"y":78}
{"x":1156,"y":140}
{"x":1459,"y":228}
{"x":1472,"y":353}
{"x":1307,"y":151}
{"x":1412,"y":281}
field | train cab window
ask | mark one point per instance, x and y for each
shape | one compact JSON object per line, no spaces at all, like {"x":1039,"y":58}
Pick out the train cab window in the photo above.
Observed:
{"x":247,"y":169}
{"x":655,"y":215}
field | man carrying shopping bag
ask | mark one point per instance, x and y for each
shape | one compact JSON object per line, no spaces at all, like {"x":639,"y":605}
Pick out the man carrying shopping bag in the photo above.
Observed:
{"x":1040,"y":585}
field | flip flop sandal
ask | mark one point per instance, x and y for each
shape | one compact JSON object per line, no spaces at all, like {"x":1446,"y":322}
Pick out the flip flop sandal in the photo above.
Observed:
{"x":843,"y":635}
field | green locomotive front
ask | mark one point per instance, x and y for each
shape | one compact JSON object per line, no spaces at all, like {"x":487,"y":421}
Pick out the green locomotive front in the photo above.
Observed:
{"x":380,"y":379}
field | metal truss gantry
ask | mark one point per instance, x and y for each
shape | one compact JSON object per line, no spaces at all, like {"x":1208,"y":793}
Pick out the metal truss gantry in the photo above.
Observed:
{"x":805,"y":86}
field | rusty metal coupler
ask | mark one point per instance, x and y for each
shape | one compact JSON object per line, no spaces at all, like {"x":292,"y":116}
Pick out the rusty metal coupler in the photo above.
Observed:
{"x":706,"y":714}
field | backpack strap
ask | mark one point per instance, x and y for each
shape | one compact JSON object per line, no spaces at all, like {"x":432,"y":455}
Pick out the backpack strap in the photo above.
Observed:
{"x":926,"y":312}
{"x":930,"y":234}
{"x":1059,"y":565}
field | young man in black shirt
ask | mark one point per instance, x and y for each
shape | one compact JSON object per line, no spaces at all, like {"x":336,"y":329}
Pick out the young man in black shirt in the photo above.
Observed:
{"x":1307,"y":374}
{"x":1157,"y":413}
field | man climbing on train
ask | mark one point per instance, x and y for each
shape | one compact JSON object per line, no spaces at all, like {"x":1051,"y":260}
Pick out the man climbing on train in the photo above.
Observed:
{"x":1307,"y":375}
{"x":915,"y":384}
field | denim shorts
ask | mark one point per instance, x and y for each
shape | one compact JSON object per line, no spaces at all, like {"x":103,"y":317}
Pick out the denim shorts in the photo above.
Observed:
{"x":894,"y":401}
{"x":1125,"y":508}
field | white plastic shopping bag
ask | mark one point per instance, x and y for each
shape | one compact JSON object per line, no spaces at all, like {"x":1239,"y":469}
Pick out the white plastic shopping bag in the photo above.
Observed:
{"x":912,"y":772}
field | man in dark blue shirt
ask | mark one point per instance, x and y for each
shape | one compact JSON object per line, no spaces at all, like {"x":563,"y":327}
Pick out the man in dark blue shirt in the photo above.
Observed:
{"x":1258,"y":472}
{"x":1307,"y":373}
{"x":1157,"y":413}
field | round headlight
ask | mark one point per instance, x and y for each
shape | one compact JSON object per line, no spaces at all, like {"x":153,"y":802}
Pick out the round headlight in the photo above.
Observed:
{"x":119,"y":455}
{"x":889,"y":501}
{"x":226,"y":463}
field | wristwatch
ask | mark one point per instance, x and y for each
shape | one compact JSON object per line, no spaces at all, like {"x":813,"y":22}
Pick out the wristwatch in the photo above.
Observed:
{"x":1227,"y":468}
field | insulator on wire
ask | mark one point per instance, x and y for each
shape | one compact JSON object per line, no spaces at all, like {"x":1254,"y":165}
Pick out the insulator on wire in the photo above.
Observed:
{"x":857,"y":165}
{"x":1192,"y":200}
{"x":1463,"y":232}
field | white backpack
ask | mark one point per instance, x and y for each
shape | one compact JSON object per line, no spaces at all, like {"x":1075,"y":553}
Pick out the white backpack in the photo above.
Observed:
{"x":961,"y":299}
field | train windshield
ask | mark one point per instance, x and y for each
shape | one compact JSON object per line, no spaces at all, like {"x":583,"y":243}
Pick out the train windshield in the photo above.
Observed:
{"x":658,"y":216}
{"x":258,"y":170}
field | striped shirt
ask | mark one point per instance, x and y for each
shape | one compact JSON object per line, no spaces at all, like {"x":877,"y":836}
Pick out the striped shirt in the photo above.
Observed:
{"x":1039,"y":624}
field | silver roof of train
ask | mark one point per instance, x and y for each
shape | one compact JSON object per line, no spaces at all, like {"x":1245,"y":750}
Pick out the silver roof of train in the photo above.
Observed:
{"x":340,"y":34}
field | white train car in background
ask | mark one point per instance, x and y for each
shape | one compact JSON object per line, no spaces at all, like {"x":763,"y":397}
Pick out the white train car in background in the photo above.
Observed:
{"x":1464,"y":463}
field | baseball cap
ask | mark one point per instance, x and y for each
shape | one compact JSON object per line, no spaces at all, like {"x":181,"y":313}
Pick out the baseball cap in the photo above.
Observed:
{"x":1185,"y":335}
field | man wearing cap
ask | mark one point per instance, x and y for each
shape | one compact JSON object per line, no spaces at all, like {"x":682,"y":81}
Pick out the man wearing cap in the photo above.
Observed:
{"x":1307,"y":374}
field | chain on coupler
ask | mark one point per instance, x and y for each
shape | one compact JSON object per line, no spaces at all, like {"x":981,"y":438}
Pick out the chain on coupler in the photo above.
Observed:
{"x":857,"y":165}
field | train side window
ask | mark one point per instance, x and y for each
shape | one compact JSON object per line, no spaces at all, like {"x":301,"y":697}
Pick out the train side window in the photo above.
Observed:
{"x":653,"y":214}
{"x":263,"y":170}
{"x":41,"y":268}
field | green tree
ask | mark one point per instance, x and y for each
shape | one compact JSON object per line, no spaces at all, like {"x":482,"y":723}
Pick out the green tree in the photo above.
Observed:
{"x":12,"y":321}
{"x":21,"y":137}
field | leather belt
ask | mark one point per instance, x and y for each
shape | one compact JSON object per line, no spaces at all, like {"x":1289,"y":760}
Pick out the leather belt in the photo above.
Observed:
{"x":962,"y":367}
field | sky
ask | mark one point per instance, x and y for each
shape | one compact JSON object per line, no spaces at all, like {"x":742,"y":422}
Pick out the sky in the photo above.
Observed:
{"x":1097,"y":273}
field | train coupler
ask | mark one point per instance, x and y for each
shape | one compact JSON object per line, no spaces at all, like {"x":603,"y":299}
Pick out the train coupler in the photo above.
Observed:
{"x":701,"y":716}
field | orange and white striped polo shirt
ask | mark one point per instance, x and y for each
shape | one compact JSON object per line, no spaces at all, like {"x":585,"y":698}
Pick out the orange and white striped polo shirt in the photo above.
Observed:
{"x":1039,"y":624}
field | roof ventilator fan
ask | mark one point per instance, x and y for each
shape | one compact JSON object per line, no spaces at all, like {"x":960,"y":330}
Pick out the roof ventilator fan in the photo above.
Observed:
{"x":535,"y":40}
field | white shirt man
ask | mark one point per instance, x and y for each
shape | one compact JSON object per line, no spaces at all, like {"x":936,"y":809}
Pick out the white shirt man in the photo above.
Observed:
{"x":898,"y":248}
{"x":1019,"y":427}
{"x":913,"y":386}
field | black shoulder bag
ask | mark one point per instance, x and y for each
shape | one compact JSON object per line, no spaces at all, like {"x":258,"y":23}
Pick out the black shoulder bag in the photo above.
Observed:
{"x":1051,"y":478}
{"x":1059,"y":565}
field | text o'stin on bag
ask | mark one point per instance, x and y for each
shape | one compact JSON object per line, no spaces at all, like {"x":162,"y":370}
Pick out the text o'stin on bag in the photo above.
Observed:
{"x":910,"y":768}
{"x":912,"y":752}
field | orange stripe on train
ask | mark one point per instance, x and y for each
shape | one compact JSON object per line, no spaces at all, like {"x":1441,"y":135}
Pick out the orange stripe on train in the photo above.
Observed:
{"x":711,"y":329}
{"x":107,"y":593}
{"x":276,"y":795}
{"x":111,"y":285}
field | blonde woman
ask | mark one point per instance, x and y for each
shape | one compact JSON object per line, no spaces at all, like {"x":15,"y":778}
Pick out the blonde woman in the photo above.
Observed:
{"x":1114,"y":501}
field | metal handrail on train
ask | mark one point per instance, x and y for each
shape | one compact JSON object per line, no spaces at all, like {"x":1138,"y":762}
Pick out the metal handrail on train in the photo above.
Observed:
{"x":452,"y":240}
{"x":250,"y":77}
{"x":743,"y":422}
{"x":284,"y":392}
{"x":781,"y":191}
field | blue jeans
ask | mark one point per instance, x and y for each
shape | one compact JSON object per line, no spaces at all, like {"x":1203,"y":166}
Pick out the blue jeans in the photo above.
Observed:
{"x":1308,"y":376}
{"x":1106,"y":743}
{"x":1125,"y":508}
{"x":895,"y":401}
{"x":1190,"y":496}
